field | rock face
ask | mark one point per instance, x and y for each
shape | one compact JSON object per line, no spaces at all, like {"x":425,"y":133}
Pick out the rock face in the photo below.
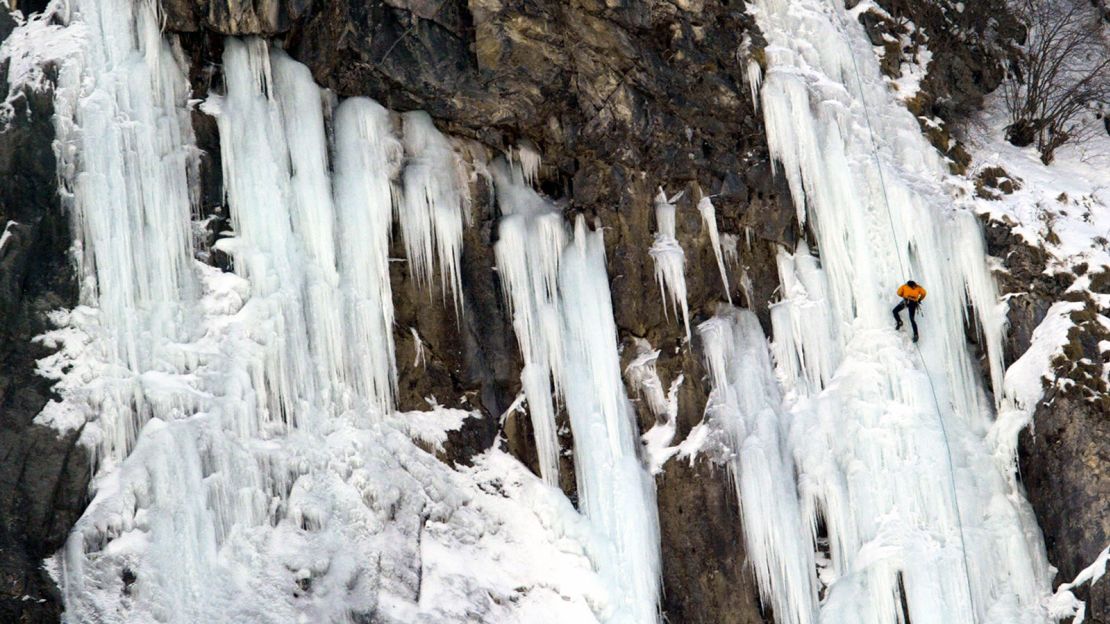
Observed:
{"x":43,"y":476}
{"x":1065,"y":466}
{"x":1064,"y":458}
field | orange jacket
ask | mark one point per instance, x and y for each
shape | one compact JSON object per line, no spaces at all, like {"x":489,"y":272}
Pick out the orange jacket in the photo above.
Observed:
{"x":917,"y":293}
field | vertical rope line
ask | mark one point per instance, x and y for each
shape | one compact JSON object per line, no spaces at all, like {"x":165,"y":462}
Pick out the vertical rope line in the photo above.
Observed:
{"x":917,"y":349}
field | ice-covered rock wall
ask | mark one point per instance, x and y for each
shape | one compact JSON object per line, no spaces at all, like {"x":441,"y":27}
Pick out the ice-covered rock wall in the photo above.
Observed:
{"x":250,"y":463}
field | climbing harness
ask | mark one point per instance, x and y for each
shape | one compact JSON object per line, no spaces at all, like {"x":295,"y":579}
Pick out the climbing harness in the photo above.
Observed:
{"x":917,"y":349}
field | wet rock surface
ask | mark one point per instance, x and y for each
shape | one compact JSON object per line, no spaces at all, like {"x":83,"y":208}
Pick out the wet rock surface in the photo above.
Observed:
{"x":43,"y":476}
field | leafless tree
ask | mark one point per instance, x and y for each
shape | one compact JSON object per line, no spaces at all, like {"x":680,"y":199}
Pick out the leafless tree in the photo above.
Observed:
{"x":1059,"y":82}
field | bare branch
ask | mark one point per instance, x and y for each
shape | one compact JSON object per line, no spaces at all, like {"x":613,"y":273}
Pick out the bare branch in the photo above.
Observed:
{"x":1060,"y":81}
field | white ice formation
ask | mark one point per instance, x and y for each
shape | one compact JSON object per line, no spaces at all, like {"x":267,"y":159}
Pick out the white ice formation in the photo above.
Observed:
{"x":249,"y":461}
{"x":250,"y":465}
{"x":670,"y":260}
{"x":887,"y":436}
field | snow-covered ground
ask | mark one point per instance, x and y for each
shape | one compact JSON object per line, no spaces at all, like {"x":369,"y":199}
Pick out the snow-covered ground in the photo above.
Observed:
{"x":1062,"y":209}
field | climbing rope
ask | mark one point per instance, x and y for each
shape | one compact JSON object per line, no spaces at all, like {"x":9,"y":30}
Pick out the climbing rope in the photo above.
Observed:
{"x":917,"y":349}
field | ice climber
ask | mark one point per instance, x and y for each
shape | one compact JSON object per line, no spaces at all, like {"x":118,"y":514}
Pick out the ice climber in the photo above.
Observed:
{"x":912,"y":295}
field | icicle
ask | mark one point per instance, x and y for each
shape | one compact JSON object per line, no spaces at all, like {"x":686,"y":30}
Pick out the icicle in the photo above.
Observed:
{"x":754,"y":73}
{"x":526,"y":161}
{"x":744,"y":403}
{"x":709,"y":216}
{"x":367,"y":157}
{"x":730,"y":249}
{"x":123,"y":98}
{"x":241,"y":448}
{"x":431,"y":214}
{"x":615,"y":492}
{"x":419,"y":358}
{"x":531,"y":236}
{"x":670,"y":260}
{"x":804,"y":322}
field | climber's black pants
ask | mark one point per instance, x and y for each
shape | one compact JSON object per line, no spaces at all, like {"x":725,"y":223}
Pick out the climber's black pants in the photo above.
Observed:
{"x":913,"y":310}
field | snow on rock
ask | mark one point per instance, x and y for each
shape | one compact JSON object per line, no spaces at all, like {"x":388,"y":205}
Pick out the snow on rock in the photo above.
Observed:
{"x":1063,"y":210}
{"x":643,"y":378}
{"x":1064,"y":604}
{"x":37,"y":42}
{"x":1024,"y":382}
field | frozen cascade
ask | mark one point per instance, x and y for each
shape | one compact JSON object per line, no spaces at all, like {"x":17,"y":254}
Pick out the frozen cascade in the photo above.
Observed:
{"x":615,"y":492}
{"x":670,"y":259}
{"x":434,"y":206}
{"x":249,"y":470}
{"x":745,"y":403}
{"x":916,"y":508}
{"x":131,"y":214}
{"x":709,"y":216}
{"x":368,"y":158}
{"x":264,"y":249}
{"x":803,"y":319}
{"x":312,"y":213}
{"x":558,"y":292}
{"x":531,"y":237}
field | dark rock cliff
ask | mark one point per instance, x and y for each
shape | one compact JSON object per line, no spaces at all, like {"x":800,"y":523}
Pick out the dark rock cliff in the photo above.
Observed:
{"x":43,"y":476}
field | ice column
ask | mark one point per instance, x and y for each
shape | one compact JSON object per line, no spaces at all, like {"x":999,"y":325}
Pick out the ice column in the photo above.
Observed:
{"x":615,"y":492}
{"x":122,"y":99}
{"x":531,"y":238}
{"x":670,"y":260}
{"x":312,"y":216}
{"x":435,"y":202}
{"x":265,"y":250}
{"x":745,"y":403}
{"x":368,"y":157}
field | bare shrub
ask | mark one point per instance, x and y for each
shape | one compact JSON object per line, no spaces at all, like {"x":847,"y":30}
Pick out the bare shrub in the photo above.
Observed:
{"x":1059,"y":82}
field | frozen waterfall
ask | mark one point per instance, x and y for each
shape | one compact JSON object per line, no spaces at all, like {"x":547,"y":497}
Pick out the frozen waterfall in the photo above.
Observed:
{"x":251,"y":466}
{"x":916,"y":511}
{"x":562,"y":313}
